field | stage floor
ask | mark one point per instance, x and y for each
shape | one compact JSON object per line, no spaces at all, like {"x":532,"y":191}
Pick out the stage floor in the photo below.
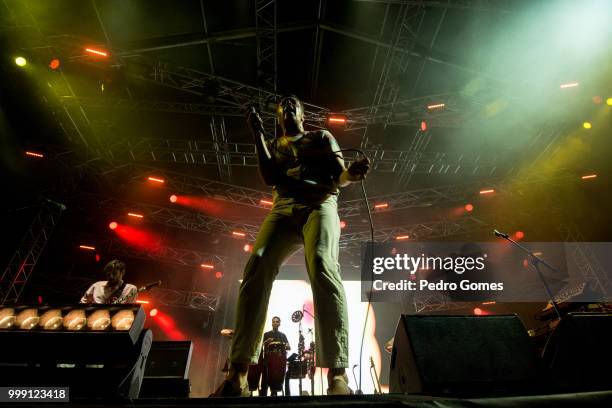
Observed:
{"x":586,"y":399}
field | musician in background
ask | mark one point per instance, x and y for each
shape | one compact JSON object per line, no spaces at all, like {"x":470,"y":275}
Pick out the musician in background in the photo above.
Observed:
{"x":112,"y":290}
{"x":272,"y":336}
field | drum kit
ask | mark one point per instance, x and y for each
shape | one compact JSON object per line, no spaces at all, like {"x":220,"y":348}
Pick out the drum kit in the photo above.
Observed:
{"x":273,"y":363}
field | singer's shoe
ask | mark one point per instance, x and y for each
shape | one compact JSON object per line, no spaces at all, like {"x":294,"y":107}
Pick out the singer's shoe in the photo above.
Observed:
{"x":339,"y":386}
{"x":231,"y":389}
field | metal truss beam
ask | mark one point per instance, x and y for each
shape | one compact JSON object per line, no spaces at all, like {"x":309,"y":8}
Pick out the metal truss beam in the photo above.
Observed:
{"x":22,"y":263}
{"x":186,"y":300}
{"x":420,"y":231}
{"x":220,"y":143}
{"x":265,"y":36}
{"x":201,"y":152}
{"x":176,"y":218}
{"x":476,"y":5}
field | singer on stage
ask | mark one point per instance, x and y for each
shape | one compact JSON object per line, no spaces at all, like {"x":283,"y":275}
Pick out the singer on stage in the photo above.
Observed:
{"x":306,"y":168}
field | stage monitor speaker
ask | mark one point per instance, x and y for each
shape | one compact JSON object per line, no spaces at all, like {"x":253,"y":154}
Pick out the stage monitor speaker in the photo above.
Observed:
{"x":167,"y":371}
{"x":95,"y":350}
{"x":463,"y":356}
{"x":579,"y":352}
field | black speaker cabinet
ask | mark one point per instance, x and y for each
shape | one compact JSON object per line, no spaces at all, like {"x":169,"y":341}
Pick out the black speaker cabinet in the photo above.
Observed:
{"x":579,"y":352}
{"x":462,"y":356}
{"x":167,"y":370}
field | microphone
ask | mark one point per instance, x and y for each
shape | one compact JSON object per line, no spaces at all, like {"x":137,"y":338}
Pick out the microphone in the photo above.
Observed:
{"x":500,"y":234}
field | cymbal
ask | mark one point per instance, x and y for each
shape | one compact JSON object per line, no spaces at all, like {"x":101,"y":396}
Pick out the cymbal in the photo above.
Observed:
{"x":227,"y":332}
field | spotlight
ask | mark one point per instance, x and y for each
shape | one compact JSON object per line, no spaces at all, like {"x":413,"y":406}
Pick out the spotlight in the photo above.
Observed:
{"x":423,"y":126}
{"x":218,"y":274}
{"x":469,"y":207}
{"x":27,"y":319}
{"x":34,"y":154}
{"x":609,"y":101}
{"x":569,"y":85}
{"x":113,"y":225}
{"x":51,"y":319}
{"x":336,"y":119}
{"x":54,"y":64}
{"x":477,"y":311}
{"x":239,"y":234}
{"x":7,"y":317}
{"x":401,"y":237}
{"x":123,"y":320}
{"x":519,"y":235}
{"x":21,"y":61}
{"x":488,"y":191}
{"x":247,"y":248}
{"x":95,"y":51}
{"x":342,"y":224}
{"x":265,"y":202}
{"x":436,"y":106}
{"x":173,"y":198}
{"x":156,"y":180}
{"x":135,"y":215}
{"x":207,"y":266}
{"x":587,"y":125}
{"x":381,"y":206}
{"x":589,"y":176}
{"x":153,"y":312}
{"x":99,"y":320}
{"x":87,"y":247}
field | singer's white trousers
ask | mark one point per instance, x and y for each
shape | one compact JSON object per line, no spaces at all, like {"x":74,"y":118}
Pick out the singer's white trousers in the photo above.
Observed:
{"x":288,"y":226}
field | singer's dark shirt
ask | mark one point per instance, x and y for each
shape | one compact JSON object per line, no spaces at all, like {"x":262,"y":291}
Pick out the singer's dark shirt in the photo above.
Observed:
{"x":308,"y":170}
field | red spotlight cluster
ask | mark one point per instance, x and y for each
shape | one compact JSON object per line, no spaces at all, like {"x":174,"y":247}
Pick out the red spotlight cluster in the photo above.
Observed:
{"x":173,"y":198}
{"x":469,"y":207}
{"x":54,"y":64}
{"x":423,"y":126}
{"x":477,"y":311}
{"x":113,"y":225}
{"x":218,"y":274}
{"x":519,"y":235}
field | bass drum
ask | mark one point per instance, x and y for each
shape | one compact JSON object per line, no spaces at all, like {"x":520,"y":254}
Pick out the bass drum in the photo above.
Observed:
{"x":254,"y":374}
{"x":275,"y":364}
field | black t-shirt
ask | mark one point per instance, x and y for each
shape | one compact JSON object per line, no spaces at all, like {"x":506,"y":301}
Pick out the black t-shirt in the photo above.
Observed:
{"x":307,"y":167}
{"x":275,"y":336}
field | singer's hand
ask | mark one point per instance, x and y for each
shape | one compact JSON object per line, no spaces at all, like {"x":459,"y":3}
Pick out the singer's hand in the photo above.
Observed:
{"x":254,"y":121}
{"x":358,"y":169}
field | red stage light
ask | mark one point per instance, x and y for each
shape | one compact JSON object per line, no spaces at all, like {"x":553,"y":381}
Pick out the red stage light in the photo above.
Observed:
{"x":342,"y":224}
{"x":265,"y":202}
{"x":423,"y":126}
{"x":477,"y":311}
{"x":218,"y":275}
{"x":87,"y":247}
{"x":402,"y":237}
{"x":135,"y":215}
{"x":39,"y":299}
{"x":469,"y":207}
{"x":207,"y":266}
{"x":589,"y":176}
{"x":173,"y":198}
{"x":381,"y":205}
{"x":156,"y":180}
{"x":113,"y":225}
{"x":247,"y":247}
{"x":336,"y":119}
{"x":519,"y":235}
{"x":34,"y":154}
{"x":95,"y":51}
{"x":153,"y":312}
{"x":54,"y":64}
{"x":239,"y":234}
{"x":488,"y":191}
{"x":97,"y":257}
{"x":436,"y":106}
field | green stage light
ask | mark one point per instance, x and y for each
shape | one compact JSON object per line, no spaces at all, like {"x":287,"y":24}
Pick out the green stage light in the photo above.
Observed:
{"x":20,"y":61}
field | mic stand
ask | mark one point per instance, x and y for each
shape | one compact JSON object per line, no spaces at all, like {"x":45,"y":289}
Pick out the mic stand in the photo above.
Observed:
{"x":535,"y":262}
{"x":357,"y":391}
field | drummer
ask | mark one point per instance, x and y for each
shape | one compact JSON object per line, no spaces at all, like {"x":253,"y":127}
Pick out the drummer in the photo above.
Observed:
{"x":270,"y":339}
